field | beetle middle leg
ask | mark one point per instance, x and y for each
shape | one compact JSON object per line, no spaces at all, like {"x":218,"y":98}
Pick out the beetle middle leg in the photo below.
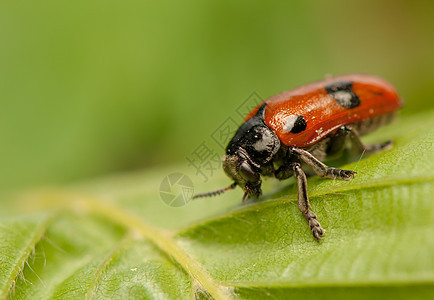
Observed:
{"x":320,"y":168}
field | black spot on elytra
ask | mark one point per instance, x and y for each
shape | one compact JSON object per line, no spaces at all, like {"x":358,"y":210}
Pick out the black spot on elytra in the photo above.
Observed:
{"x":299,"y":125}
{"x":342,"y":92}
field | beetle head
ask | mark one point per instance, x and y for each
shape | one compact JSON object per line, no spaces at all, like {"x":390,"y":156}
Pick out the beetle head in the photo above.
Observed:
{"x":253,"y":146}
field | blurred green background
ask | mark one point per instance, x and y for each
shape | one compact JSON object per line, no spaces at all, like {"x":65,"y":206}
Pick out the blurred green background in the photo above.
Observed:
{"x":93,"y":87}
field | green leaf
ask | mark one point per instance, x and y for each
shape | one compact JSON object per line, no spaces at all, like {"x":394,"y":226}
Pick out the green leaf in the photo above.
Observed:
{"x":115,"y":238}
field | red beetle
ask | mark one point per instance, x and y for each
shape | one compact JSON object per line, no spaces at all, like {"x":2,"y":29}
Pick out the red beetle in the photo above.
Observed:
{"x":305,"y":126}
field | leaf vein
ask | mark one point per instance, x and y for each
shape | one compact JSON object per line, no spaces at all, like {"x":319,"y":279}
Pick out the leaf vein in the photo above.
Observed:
{"x":24,"y":255}
{"x":160,"y":237}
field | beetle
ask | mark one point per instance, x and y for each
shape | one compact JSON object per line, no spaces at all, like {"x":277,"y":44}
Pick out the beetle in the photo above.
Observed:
{"x":303,"y":127}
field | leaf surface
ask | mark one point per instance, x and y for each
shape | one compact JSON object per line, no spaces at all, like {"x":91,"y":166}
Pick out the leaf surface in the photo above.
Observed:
{"x":114,"y":238}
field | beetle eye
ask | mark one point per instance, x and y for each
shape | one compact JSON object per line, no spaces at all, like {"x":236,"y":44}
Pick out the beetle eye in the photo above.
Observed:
{"x":248,"y":173}
{"x":257,"y":136}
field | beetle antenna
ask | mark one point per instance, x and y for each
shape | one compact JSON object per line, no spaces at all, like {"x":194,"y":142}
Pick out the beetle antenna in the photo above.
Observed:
{"x":215,"y":193}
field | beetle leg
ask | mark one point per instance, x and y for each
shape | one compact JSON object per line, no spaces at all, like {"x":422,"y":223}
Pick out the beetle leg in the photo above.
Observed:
{"x":303,"y":202}
{"x":359,"y":147}
{"x":320,"y":168}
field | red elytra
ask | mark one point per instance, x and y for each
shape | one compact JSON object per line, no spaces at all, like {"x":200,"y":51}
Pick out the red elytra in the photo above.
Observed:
{"x":323,"y":113}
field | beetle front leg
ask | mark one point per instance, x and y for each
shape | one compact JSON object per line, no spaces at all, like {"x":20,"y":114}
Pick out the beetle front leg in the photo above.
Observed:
{"x":303,"y":202}
{"x":320,"y":168}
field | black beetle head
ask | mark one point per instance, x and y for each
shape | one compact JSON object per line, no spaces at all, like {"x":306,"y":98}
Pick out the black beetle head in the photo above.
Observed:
{"x":252,"y":147}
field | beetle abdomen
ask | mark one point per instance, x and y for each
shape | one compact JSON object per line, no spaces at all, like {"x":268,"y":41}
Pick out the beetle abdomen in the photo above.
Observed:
{"x":370,"y":124}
